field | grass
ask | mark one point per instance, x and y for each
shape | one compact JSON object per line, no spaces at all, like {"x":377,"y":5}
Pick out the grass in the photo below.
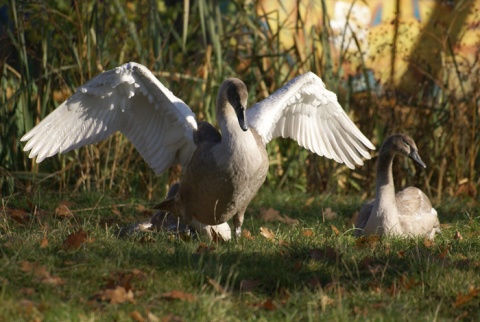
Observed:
{"x":315,"y":270}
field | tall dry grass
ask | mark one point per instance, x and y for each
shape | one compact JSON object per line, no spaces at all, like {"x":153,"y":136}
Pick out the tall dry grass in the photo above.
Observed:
{"x":51,"y":47}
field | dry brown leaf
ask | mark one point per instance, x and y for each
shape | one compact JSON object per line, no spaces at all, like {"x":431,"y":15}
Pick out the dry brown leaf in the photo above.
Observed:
{"x":428,"y":242}
{"x":202,"y":248}
{"x":328,"y":214}
{"x":309,"y":201}
{"x":367,"y":241}
{"x":271,"y":214}
{"x":75,"y":240}
{"x":63,"y":209}
{"x":19,"y":215}
{"x":116,"y":211}
{"x":178,"y":295}
{"x":308,"y":232}
{"x":115,"y":295}
{"x":141,"y":208}
{"x":248,"y":285}
{"x":40,"y":273}
{"x":401,"y":254}
{"x":267,"y":233}
{"x":328,"y":253}
{"x":458,"y":236}
{"x":247,"y":234}
{"x":335,"y":230}
{"x":152,"y":317}
{"x":44,"y":243}
{"x":463,"y":299}
{"x":53,"y":280}
{"x":269,"y":305}
{"x":137,"y":316}
{"x":171,"y":318}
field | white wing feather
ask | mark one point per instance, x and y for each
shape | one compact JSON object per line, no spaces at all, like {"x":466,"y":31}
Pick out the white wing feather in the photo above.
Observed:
{"x":129,"y":99}
{"x":304,"y":110}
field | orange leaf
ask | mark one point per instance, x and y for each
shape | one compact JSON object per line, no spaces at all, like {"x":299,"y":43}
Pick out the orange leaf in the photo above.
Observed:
{"x":202,"y":248}
{"x":19,"y":215}
{"x":428,"y":242}
{"x":178,"y":295}
{"x":269,"y":305}
{"x":247,"y":234}
{"x":335,"y":230}
{"x":137,"y":316}
{"x":267,"y":233}
{"x":44,"y":243}
{"x":308,"y":232}
{"x":461,"y":299}
{"x":75,"y":240}
{"x":115,"y":295}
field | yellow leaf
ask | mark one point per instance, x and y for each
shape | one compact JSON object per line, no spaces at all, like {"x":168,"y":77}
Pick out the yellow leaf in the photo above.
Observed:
{"x":335,"y":230}
{"x":267,"y":233}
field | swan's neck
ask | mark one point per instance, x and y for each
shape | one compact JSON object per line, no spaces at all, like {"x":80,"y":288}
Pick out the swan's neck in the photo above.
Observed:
{"x":237,"y":145}
{"x":385,"y":213}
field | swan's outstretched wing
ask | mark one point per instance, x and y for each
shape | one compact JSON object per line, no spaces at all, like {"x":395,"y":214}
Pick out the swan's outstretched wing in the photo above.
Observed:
{"x":129,"y":99}
{"x":307,"y":112}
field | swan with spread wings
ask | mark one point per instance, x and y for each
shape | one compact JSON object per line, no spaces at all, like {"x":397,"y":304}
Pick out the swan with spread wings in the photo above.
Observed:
{"x":222,"y":170}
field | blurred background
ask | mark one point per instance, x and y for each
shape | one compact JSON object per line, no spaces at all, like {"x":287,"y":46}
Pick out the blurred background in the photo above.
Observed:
{"x":396,"y":66}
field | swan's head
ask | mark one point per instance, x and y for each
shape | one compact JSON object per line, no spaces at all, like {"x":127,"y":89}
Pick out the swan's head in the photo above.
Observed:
{"x":404,"y":145}
{"x":233,"y":94}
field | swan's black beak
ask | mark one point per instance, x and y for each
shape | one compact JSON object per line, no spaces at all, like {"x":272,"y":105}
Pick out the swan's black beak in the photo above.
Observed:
{"x":242,"y":117}
{"x":415,"y":157}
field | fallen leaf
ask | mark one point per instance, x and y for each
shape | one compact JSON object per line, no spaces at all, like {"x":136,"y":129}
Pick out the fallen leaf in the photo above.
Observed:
{"x":267,"y":233}
{"x":427,"y":242}
{"x":44,"y":243}
{"x":202,"y":248}
{"x":141,"y":208}
{"x":116,"y":211}
{"x":271,"y":214}
{"x":443,"y":254}
{"x":153,"y":318}
{"x":269,"y":305}
{"x":367,"y":241}
{"x":53,"y":280}
{"x":463,"y":299}
{"x":335,"y":230}
{"x":308,"y":232}
{"x":137,"y":316}
{"x":62,"y":210}
{"x":458,"y":236}
{"x":115,"y":295}
{"x":75,"y":240}
{"x":247,"y":234}
{"x":19,"y":215}
{"x":328,"y":214}
{"x":248,"y":285}
{"x":170,"y":318}
{"x":40,"y":273}
{"x":178,"y":295}
{"x":327,"y":253}
{"x":325,"y":301}
{"x":401,"y":254}
{"x":309,"y":201}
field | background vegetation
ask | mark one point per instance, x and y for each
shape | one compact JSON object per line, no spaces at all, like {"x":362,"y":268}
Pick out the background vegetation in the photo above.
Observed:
{"x":50,"y":48}
{"x":419,"y":78}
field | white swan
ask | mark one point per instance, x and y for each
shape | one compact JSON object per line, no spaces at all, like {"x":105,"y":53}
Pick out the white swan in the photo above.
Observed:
{"x":222,"y":172}
{"x":407,"y":213}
